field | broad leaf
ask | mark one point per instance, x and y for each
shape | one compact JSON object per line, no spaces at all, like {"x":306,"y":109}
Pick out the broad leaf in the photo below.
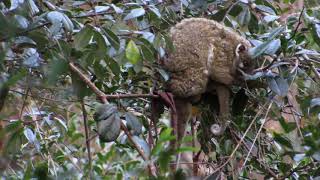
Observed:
{"x":132,"y":52}
{"x":135,"y":13}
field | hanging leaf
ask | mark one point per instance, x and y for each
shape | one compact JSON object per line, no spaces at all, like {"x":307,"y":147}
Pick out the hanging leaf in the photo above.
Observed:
{"x":278,"y":85}
{"x":108,"y":122}
{"x":113,"y":38}
{"x":273,"y":47}
{"x":82,"y":39}
{"x":244,"y":17}
{"x":155,"y":10}
{"x":102,"y":43}
{"x":143,"y":144}
{"x":132,"y":52}
{"x":133,"y":123}
{"x":315,"y":102}
{"x":28,"y":133}
{"x":33,"y":8}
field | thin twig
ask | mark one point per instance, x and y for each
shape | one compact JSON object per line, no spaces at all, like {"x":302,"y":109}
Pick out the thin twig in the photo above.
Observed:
{"x":299,"y":23}
{"x":86,"y":129}
{"x":273,"y":174}
{"x":229,"y":9}
{"x":255,"y":138}
{"x":238,"y":145}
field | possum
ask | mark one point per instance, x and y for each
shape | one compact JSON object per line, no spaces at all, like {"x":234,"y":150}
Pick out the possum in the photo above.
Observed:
{"x":206,"y":58}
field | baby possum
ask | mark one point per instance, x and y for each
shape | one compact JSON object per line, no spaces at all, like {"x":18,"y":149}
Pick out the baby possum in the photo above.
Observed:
{"x":205,"y":58}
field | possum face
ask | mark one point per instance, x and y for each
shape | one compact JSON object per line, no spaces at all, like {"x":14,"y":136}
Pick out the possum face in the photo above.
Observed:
{"x":243,"y":59}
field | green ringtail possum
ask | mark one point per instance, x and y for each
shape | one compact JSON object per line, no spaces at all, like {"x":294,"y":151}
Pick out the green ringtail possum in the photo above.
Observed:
{"x":207,"y":57}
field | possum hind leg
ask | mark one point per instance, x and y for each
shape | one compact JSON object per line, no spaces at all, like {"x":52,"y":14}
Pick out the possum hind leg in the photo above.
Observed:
{"x":223,"y":93}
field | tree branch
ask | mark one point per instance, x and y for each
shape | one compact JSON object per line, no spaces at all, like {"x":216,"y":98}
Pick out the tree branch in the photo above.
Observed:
{"x":103,"y":97}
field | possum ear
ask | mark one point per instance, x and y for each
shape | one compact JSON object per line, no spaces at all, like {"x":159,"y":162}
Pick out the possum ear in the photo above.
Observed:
{"x":240,"y":49}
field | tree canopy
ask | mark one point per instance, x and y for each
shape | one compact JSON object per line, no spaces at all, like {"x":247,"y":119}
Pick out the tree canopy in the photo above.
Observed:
{"x":80,"y":91}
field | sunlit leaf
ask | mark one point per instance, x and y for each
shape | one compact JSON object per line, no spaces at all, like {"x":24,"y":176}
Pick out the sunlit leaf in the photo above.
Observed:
{"x":132,"y":52}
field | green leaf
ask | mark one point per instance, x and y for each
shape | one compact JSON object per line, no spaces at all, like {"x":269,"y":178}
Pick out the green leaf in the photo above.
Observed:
{"x":82,"y":39}
{"x":282,"y":140}
{"x":33,"y":8}
{"x":133,"y":123}
{"x":132,"y":52}
{"x":187,"y":149}
{"x":7,"y":3}
{"x":102,"y":43}
{"x":287,"y":127}
{"x":163,"y":73}
{"x":315,"y":31}
{"x":113,"y":65}
{"x":266,"y":9}
{"x":275,"y":32}
{"x":113,"y":38}
{"x":57,"y":19}
{"x":155,"y":10}
{"x":57,"y":68}
{"x":166,"y":135}
{"x":104,"y":111}
{"x":273,"y":47}
{"x":315,"y":102}
{"x":108,"y":122}
{"x":135,"y":13}
{"x":278,"y":85}
{"x":270,"y":18}
{"x":244,"y":17}
{"x":147,"y":53}
{"x":142,"y":144}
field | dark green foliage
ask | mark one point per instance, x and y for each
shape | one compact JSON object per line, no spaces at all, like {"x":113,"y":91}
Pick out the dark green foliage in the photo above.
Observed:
{"x":118,"y":45}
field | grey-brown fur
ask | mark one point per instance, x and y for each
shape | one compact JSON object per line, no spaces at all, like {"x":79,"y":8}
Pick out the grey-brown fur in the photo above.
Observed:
{"x":206,"y":56}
